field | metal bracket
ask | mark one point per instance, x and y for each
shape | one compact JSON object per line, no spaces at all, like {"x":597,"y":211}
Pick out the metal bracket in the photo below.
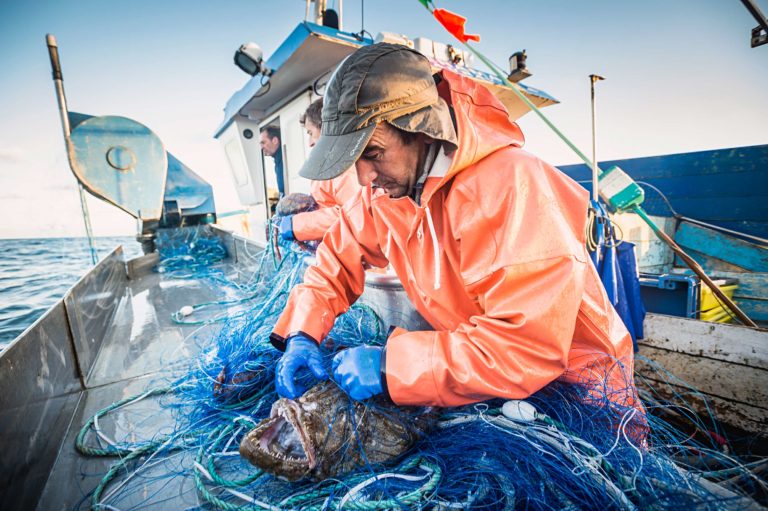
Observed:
{"x":759,"y":36}
{"x":760,"y":32}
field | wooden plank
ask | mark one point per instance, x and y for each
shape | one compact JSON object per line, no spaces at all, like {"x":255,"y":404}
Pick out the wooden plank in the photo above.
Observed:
{"x":737,"y":160}
{"x":726,"y":380}
{"x":636,"y":230}
{"x":656,"y":269}
{"x":652,"y":253}
{"x":746,"y":226}
{"x":745,"y":417}
{"x":719,"y":341}
{"x":711,"y":243}
{"x":756,"y":310}
{"x":709,"y":264}
{"x":722,"y":209}
{"x":727,"y":187}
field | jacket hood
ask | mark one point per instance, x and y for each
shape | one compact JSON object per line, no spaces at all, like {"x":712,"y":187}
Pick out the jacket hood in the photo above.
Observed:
{"x":482,"y":122}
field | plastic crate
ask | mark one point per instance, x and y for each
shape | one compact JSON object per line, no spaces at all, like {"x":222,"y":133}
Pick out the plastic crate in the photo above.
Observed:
{"x":671,"y":294}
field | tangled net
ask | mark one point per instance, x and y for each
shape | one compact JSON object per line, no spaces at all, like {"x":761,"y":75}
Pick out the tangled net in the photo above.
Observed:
{"x":563,"y":448}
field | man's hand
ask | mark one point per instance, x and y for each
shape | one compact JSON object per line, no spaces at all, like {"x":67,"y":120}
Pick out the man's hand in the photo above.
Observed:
{"x":285,"y":228}
{"x":300,"y":354}
{"x":358,"y":371}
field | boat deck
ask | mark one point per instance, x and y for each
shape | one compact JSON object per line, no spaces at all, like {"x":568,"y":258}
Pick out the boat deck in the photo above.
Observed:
{"x":111,"y":337}
{"x":142,"y":349}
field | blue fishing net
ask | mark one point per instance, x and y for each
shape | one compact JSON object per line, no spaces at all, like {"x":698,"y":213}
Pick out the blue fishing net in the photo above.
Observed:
{"x":568,"y":446}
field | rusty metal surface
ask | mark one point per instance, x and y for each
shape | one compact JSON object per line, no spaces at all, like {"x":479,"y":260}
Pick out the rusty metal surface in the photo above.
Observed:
{"x":39,"y":389}
{"x":90,"y":305}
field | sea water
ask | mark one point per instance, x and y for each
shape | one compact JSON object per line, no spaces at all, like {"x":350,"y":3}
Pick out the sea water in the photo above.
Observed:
{"x":35,"y":273}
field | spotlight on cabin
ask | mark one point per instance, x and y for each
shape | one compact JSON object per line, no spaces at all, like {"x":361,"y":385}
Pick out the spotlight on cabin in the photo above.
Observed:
{"x":250,"y":59}
{"x":517,"y":68}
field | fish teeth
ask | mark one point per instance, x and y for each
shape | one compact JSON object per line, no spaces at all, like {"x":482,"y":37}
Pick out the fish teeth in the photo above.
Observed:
{"x":278,"y":455}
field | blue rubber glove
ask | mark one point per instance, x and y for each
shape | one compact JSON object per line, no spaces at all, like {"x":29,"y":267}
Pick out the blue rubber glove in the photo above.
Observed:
{"x":358,"y":371}
{"x":285,"y":229}
{"x":301,"y":354}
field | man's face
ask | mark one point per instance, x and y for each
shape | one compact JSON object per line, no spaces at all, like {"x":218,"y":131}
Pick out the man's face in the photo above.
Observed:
{"x":389,"y":163}
{"x":269,"y":145}
{"x":313,"y":130}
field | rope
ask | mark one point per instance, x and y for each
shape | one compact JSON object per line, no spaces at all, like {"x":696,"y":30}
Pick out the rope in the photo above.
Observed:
{"x":433,"y":472}
{"x":87,"y":222}
{"x":114,"y":450}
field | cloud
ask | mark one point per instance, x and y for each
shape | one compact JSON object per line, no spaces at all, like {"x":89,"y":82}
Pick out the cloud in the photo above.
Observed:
{"x":13,"y":154}
{"x":69,"y":185}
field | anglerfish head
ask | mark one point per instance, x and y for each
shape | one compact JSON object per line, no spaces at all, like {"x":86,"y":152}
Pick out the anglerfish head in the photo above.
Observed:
{"x":283,"y":443}
{"x":324,"y":433}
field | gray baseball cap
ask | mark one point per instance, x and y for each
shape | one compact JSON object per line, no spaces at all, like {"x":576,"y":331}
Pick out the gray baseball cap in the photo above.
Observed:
{"x":380,"y":82}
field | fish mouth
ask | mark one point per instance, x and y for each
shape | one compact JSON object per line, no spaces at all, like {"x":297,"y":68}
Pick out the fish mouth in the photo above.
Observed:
{"x":281,"y":440}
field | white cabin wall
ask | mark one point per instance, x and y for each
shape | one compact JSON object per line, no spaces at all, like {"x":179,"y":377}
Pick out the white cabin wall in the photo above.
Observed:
{"x":253,"y":174}
{"x":295,"y":142}
{"x":247,"y":170}
{"x":245,"y":161}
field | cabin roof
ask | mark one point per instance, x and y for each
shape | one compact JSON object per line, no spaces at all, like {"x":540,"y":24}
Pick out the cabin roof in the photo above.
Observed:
{"x":311,"y":51}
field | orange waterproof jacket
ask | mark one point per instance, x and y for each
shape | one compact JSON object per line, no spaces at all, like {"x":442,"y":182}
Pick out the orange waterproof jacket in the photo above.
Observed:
{"x":494,"y":258}
{"x":330,"y":196}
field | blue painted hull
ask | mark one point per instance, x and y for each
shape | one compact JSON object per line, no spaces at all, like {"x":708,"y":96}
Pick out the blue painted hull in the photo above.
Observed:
{"x":724,"y":187}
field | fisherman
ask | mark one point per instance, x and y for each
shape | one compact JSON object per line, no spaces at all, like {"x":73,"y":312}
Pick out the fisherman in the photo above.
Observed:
{"x":487,"y":239}
{"x":329,"y":194}
{"x":269,"y":140}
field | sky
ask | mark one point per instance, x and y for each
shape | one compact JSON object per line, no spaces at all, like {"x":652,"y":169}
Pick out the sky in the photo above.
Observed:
{"x":680,"y":76}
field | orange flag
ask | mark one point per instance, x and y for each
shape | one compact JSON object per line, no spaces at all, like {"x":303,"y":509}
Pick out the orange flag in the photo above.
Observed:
{"x":454,"y":24}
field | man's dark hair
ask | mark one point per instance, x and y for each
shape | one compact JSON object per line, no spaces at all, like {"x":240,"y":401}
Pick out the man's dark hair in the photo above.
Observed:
{"x":273,"y":132}
{"x":407,"y":137}
{"x":313,"y":114}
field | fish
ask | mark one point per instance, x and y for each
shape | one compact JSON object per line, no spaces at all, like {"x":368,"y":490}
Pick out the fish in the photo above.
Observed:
{"x":325,"y":433}
{"x":295,"y":203}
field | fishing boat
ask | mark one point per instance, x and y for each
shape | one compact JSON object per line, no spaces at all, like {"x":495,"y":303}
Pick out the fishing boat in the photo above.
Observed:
{"x":712,"y":204}
{"x":114,"y":331}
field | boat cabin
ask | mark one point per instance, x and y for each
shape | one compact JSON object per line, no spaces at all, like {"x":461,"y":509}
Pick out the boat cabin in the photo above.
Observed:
{"x":296,"y":74}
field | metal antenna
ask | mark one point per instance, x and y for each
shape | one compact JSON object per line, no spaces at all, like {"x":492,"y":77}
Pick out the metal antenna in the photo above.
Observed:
{"x":592,"y":80}
{"x":58,"y":81}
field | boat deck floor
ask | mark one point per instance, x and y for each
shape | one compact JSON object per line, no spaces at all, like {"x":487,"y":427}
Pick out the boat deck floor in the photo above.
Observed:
{"x":143,"y":349}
